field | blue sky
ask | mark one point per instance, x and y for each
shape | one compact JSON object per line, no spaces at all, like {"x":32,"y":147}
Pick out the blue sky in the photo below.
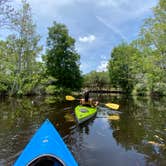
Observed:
{"x":97,"y":25}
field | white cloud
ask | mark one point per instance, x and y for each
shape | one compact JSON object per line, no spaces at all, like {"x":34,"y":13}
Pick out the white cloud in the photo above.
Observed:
{"x":103,"y":66}
{"x":87,"y":39}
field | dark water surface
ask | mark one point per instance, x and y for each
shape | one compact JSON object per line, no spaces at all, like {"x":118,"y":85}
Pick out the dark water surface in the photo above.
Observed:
{"x":135,"y":135}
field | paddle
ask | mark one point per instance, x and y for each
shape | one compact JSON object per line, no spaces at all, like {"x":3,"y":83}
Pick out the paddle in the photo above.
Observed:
{"x":109,"y":105}
{"x":112,"y":105}
{"x":71,"y":98}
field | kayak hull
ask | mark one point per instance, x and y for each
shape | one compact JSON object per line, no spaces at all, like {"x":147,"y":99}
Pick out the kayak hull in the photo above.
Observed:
{"x":47,"y":146}
{"x":84,"y":113}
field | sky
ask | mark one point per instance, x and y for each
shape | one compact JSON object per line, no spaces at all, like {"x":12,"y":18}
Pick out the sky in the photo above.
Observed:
{"x":96,"y":25}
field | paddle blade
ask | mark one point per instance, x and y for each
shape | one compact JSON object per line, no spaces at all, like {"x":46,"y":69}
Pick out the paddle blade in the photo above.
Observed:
{"x":70,"y":98}
{"x":112,"y":106}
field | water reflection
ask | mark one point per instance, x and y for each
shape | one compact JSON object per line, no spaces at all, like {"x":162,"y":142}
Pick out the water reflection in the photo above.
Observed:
{"x":133,"y":135}
{"x":141,"y":127}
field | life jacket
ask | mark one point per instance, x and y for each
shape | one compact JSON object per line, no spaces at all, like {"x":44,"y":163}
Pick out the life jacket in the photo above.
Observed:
{"x":86,"y":103}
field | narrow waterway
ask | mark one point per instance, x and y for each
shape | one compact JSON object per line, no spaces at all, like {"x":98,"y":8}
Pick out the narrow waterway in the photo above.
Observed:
{"x":135,"y":135}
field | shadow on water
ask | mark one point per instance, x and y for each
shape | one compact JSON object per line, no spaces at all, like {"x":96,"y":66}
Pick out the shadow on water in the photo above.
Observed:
{"x":133,"y":135}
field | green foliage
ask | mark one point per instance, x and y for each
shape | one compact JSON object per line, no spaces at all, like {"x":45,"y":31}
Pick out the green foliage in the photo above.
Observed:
{"x":159,"y":89}
{"x":62,"y":61}
{"x":30,"y":84}
{"x":140,"y":89}
{"x":96,"y":80}
{"x":153,"y":31}
{"x":52,"y":99}
{"x":121,"y":67}
{"x":26,"y":39}
{"x":7,"y":67}
{"x":18,"y":54}
{"x":3,"y":88}
{"x":151,"y":43}
{"x":48,"y":80}
{"x":51,"y":89}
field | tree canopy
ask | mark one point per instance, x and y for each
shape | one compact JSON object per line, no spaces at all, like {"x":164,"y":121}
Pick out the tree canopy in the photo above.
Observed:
{"x":62,"y":61}
{"x":151,"y":43}
{"x":19,"y":52}
{"x":121,"y":67}
{"x":96,"y":80}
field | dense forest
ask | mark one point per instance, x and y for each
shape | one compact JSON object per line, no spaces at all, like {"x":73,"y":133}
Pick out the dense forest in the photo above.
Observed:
{"x":137,"y":68}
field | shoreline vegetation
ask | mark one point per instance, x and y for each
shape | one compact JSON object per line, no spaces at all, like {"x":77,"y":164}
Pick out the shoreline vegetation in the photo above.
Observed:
{"x":136,"y":68}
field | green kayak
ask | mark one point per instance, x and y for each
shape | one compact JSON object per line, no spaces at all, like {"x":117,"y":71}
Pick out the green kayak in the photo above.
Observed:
{"x":83,"y":113}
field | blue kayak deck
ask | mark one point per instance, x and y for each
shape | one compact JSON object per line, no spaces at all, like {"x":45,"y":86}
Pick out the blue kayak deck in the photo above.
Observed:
{"x":46,"y":142}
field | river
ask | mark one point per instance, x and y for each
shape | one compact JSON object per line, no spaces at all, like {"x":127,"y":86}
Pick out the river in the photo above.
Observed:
{"x":135,"y":135}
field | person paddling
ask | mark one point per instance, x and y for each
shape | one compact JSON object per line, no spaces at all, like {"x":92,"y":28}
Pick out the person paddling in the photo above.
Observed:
{"x":88,"y":101}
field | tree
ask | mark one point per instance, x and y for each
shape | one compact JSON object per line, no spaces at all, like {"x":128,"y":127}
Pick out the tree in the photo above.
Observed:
{"x":96,"y":80}
{"x":151,"y":43}
{"x":27,"y":39}
{"x":19,"y":53}
{"x":25,"y":44}
{"x":5,"y":67}
{"x":121,"y":67}
{"x":62,"y":61}
{"x":153,"y":31}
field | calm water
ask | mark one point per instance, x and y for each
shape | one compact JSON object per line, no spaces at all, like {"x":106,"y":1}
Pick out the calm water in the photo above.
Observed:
{"x":135,"y":135}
